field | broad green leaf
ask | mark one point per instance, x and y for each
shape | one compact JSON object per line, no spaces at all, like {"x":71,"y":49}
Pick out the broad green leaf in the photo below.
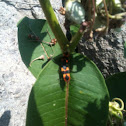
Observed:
{"x":88,"y":95}
{"x":31,"y":48}
{"x":117,"y":86}
{"x":125,"y":50}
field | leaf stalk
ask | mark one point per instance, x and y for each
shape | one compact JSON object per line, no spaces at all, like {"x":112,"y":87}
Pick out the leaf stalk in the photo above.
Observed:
{"x":53,"y":22}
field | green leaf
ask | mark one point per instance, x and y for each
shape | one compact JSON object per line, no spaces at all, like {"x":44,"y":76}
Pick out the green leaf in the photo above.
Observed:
{"x":31,"y":48}
{"x":74,"y":29}
{"x":117,"y":86}
{"x":125,"y":49}
{"x":88,"y":95}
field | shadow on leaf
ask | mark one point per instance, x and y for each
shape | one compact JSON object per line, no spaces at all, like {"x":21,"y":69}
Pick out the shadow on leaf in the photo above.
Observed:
{"x":33,"y":116}
{"x":27,"y":46}
{"x":117,"y":86}
{"x":30,"y":47}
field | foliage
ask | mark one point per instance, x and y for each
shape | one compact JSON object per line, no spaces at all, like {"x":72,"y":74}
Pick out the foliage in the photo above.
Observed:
{"x":116,"y":85}
{"x":30,"y":48}
{"x":74,"y":29}
{"x":49,"y":88}
{"x":86,"y":103}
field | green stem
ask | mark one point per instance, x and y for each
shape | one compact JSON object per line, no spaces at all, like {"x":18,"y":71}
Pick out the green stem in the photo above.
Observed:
{"x":107,"y":17}
{"x":110,"y":120}
{"x":75,"y":40}
{"x":122,"y":104}
{"x":53,"y":22}
{"x":117,"y":16}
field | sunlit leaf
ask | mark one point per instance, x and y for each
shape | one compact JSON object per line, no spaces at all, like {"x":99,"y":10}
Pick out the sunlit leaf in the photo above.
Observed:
{"x":88,"y":95}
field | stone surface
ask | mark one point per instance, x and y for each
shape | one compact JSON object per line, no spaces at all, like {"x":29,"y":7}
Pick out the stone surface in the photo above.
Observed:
{"x":15,"y":79}
{"x":107,"y":51}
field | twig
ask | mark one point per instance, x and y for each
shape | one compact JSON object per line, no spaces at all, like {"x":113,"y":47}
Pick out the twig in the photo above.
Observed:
{"x":107,"y":15}
{"x":45,"y":51}
{"x":93,"y":2}
{"x":38,"y":58}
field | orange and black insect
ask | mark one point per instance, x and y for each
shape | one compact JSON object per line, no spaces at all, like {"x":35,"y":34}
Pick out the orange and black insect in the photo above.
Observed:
{"x":66,"y":76}
{"x":65,"y":67}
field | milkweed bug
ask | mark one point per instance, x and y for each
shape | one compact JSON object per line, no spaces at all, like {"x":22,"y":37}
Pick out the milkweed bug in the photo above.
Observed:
{"x":65,"y":67}
{"x":65,"y":70}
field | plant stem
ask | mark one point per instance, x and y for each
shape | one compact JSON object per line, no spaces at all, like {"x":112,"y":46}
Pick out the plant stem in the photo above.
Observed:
{"x":110,"y":120}
{"x":75,"y":40}
{"x":117,"y":16}
{"x":53,"y":22}
{"x":107,"y":17}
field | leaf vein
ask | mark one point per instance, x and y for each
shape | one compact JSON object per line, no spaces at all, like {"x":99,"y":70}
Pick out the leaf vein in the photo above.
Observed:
{"x":50,"y":102}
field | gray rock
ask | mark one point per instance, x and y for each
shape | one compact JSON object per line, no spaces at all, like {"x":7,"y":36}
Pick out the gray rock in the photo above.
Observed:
{"x":109,"y":48}
{"x":15,"y":79}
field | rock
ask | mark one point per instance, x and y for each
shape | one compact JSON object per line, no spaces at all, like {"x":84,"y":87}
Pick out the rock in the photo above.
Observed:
{"x":5,"y":77}
{"x":109,"y":48}
{"x":17,"y":91}
{"x":15,"y":79}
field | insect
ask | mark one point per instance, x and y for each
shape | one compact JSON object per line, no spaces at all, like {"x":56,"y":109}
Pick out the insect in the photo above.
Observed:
{"x":65,"y":70}
{"x":65,"y":67}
